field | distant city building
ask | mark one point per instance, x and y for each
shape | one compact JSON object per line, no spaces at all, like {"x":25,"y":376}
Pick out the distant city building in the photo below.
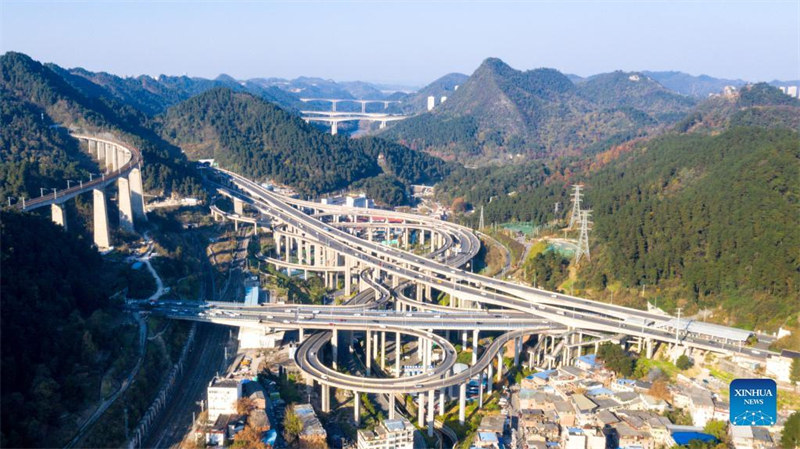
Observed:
{"x":780,"y":366}
{"x":222,"y":397}
{"x":443,"y":99}
{"x":431,"y":102}
{"x":389,"y":434}
{"x":791,"y":91}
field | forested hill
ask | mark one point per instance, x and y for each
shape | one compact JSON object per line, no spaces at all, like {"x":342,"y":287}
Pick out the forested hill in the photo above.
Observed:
{"x":500,"y":112}
{"x":36,"y":102}
{"x":702,"y":220}
{"x":154,"y":95}
{"x":260,"y":140}
{"x":59,"y":334}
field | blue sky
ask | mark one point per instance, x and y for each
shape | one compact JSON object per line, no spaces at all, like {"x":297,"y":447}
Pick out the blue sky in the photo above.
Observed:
{"x":410,"y":42}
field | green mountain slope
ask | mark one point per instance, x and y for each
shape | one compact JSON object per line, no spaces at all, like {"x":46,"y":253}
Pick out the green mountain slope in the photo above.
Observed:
{"x":500,"y":112}
{"x":30,"y":88}
{"x":258,"y":139}
{"x":701,"y":220}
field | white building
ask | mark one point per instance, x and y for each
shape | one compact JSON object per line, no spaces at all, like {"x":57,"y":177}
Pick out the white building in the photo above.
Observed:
{"x":791,"y":91}
{"x":574,"y":438}
{"x":222,"y":397}
{"x":390,"y":434}
{"x":431,"y":102}
{"x":358,"y":201}
{"x":779,"y":367}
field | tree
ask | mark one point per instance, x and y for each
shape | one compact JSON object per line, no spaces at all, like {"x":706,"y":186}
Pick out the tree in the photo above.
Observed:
{"x":248,"y":438}
{"x":616,"y":359}
{"x":684,"y":362}
{"x":717,"y":428}
{"x":790,"y":437}
{"x":292,"y":425}
{"x":794,"y":374}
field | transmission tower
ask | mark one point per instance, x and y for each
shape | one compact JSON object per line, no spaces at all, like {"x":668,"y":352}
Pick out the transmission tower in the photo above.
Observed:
{"x":576,"y":206}
{"x":480,"y":225}
{"x":583,"y":240}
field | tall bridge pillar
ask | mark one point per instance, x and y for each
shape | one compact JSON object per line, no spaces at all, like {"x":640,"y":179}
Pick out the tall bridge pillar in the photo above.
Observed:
{"x":102,"y":237}
{"x":238,"y":206}
{"x":334,"y":126}
{"x":421,"y":409}
{"x":109,"y":151}
{"x":125,"y":208}
{"x":462,"y":402}
{"x":500,"y":365}
{"x":441,"y":401}
{"x":356,"y":408}
{"x":475,"y":346}
{"x":334,"y":347}
{"x":391,"y":406}
{"x":431,"y":402}
{"x":59,"y":214}
{"x":137,"y":194}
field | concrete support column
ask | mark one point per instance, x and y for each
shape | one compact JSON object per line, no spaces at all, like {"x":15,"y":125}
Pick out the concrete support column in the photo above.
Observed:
{"x":109,"y":159}
{"x":500,"y":365}
{"x":475,"y":346}
{"x":649,"y":348}
{"x":288,"y":250}
{"x":392,"y":406}
{"x":480,"y":390}
{"x":383,"y":350}
{"x":347,"y":276}
{"x":325,"y":398}
{"x":137,"y":194}
{"x":422,"y":237}
{"x":368,"y":351}
{"x":398,"y":353}
{"x":238,"y":206}
{"x":102,"y":236}
{"x":421,"y":409}
{"x":125,"y":208}
{"x":375,"y":344}
{"x":517,"y":344}
{"x":462,"y":402}
{"x":489,"y":380}
{"x":431,"y":402}
{"x":334,"y":125}
{"x":464,"y":340}
{"x":405,"y":239}
{"x":356,"y":408}
{"x":58,"y":213}
{"x":300,"y":335}
{"x":441,"y":401}
{"x":334,"y":348}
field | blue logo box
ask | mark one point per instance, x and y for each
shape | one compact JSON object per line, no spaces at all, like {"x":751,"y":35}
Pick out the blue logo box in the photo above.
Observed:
{"x":754,"y":402}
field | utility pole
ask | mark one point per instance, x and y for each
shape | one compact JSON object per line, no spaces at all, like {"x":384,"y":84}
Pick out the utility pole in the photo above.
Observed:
{"x":583,"y":239}
{"x":576,"y":206}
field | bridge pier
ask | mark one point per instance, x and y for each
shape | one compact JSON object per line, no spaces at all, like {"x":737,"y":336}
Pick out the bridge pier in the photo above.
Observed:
{"x":356,"y":408}
{"x":500,"y":365}
{"x":480,"y":389}
{"x":475,"y":346}
{"x":383,"y":350}
{"x":489,"y":380}
{"x":368,"y":351}
{"x":334,"y":128}
{"x":58,"y":213}
{"x":441,"y":401}
{"x":431,"y":402}
{"x":421,"y":409}
{"x":517,"y":345}
{"x":137,"y":194}
{"x":391,"y":406}
{"x":325,"y":398}
{"x":238,"y":206}
{"x":109,"y":157}
{"x":102,"y":237}
{"x":398,"y":353}
{"x":334,"y":347}
{"x":125,"y":207}
{"x":462,"y":402}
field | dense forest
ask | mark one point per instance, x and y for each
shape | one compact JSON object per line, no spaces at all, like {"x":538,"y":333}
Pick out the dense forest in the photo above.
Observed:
{"x":60,"y":333}
{"x":711,"y":219}
{"x":31,"y":89}
{"x":258,"y":139}
{"x":500,"y":112}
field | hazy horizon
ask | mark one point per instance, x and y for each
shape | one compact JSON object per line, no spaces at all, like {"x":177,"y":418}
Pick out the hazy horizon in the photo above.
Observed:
{"x":408,"y":44}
